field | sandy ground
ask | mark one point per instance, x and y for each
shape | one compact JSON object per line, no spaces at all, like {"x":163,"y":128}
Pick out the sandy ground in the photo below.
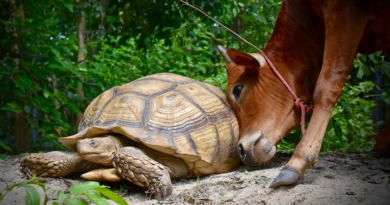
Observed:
{"x":338,"y":179}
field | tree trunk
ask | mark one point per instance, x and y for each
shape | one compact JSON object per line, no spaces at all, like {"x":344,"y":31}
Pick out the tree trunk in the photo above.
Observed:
{"x":21,"y":134}
{"x":80,"y":54}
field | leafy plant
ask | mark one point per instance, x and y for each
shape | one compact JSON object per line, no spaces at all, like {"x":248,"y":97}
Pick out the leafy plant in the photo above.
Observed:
{"x":32,"y":195}
{"x":95,"y":192}
{"x":7,"y":148}
{"x":92,"y":190}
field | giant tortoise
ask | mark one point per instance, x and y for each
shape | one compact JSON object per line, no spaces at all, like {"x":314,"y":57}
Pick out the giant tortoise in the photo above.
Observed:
{"x":148,"y":131}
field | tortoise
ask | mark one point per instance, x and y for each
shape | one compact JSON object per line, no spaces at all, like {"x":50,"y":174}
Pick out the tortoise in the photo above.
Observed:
{"x":148,"y":131}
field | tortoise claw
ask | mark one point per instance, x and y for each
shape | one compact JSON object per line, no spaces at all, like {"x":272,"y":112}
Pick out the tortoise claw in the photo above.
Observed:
{"x":163,"y":188}
{"x":286,"y":177}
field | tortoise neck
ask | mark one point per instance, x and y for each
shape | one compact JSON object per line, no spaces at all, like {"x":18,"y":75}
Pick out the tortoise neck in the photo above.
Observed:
{"x":119,"y":140}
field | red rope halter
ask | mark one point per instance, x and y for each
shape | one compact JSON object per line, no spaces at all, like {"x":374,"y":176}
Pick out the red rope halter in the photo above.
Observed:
{"x":299,"y":104}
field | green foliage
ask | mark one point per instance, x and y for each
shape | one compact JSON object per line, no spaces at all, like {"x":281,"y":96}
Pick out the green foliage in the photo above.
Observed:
{"x":95,"y":192}
{"x":32,"y":195}
{"x":351,"y":116}
{"x":7,"y":148}
{"x":128,"y":40}
{"x":133,"y":43}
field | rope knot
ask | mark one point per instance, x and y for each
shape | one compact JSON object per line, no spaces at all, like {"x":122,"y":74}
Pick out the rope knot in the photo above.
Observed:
{"x":298,"y":103}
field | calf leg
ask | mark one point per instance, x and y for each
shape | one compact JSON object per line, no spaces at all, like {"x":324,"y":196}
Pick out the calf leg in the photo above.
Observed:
{"x":344,"y":24}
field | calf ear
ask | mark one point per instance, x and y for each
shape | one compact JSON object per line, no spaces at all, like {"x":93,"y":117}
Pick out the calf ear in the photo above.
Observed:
{"x":249,"y":60}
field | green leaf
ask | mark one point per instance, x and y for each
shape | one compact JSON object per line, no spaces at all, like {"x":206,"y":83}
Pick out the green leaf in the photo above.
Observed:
{"x":55,"y":52}
{"x":24,"y":82}
{"x":46,"y":93}
{"x":371,"y":57}
{"x":338,"y":131}
{"x":14,"y":186}
{"x":32,"y":195}
{"x":76,"y":201}
{"x":61,"y":196}
{"x":38,"y":181}
{"x":4,"y":146}
{"x":111,"y":195}
{"x":4,"y":157}
{"x":363,"y":70}
{"x":385,"y":67}
{"x":74,"y":108}
{"x":83,"y":50}
{"x":245,"y":17}
{"x":96,"y":198}
{"x":27,"y":109}
{"x":262,"y":17}
{"x":51,"y":22}
{"x":68,"y":5}
{"x":82,"y":187}
{"x":21,"y":155}
{"x":12,"y":107}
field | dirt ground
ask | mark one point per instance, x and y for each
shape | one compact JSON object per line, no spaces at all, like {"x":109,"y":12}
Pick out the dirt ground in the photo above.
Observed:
{"x":338,"y":179}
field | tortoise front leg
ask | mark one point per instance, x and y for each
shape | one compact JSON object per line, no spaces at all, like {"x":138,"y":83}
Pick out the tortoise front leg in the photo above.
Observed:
{"x":55,"y":164}
{"x":135,"y":166}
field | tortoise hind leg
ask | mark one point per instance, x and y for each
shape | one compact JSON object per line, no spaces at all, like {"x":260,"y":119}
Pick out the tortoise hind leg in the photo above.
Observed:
{"x":55,"y":164}
{"x":135,"y":166}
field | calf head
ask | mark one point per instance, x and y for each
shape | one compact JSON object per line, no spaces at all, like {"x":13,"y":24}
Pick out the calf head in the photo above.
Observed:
{"x":264,"y":107}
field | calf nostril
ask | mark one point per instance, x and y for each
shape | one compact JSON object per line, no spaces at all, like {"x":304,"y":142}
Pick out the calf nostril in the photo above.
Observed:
{"x":241,"y":151}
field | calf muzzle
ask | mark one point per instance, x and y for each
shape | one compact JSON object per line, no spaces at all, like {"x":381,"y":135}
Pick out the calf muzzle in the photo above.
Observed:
{"x":256,"y":149}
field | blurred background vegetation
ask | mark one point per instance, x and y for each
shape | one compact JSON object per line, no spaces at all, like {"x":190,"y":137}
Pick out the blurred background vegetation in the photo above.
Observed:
{"x":56,"y":56}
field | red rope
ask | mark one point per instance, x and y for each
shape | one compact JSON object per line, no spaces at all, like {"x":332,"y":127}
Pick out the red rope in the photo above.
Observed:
{"x":299,"y":104}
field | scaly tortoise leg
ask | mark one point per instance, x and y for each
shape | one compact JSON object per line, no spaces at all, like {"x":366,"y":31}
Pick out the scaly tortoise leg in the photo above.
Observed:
{"x":55,"y":164}
{"x":135,"y":166}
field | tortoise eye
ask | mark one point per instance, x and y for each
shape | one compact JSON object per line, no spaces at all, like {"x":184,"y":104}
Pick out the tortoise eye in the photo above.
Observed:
{"x":93,"y":143}
{"x":237,"y":91}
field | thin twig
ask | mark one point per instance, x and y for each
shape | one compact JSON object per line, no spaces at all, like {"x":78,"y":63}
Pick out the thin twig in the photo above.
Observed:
{"x":204,"y":13}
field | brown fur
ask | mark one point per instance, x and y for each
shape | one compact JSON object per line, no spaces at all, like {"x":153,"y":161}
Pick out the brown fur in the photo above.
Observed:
{"x":313,"y":46}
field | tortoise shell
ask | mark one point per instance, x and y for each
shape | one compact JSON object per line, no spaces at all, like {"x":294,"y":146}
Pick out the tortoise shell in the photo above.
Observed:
{"x":171,"y":114}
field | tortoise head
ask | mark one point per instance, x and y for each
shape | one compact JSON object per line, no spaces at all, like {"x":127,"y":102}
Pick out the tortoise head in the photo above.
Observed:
{"x":100,"y":149}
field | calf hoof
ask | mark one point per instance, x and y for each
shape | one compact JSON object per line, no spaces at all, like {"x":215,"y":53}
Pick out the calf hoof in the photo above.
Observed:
{"x":286,"y":177}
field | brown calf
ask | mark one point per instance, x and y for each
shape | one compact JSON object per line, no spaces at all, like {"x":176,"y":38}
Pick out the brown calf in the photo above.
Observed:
{"x":313,"y":46}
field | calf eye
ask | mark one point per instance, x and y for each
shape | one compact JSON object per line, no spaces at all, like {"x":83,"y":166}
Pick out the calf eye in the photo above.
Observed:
{"x":237,"y":91}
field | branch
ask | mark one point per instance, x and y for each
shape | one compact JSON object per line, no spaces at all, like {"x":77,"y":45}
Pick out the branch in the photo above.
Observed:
{"x":204,"y":13}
